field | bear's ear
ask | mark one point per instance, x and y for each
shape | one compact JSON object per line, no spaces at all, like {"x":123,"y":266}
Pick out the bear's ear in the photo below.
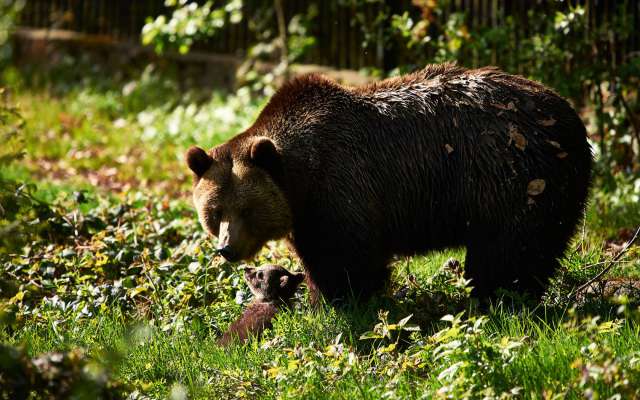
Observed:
{"x":248,"y":271}
{"x":198,"y":160}
{"x":263,"y":153}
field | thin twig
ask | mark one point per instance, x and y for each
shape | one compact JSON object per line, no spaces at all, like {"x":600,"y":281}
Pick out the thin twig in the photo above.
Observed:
{"x":604,"y":262}
{"x":609,"y":265}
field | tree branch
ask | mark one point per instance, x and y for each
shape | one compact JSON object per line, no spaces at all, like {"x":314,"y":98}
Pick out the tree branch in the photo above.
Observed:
{"x":606,"y":269}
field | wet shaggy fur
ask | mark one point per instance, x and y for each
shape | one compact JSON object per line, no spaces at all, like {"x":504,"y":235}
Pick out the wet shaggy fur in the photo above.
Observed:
{"x":439,"y":158}
{"x":273,"y":288}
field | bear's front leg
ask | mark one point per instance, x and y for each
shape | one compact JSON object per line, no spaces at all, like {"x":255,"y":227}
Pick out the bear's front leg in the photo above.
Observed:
{"x":343,"y":280}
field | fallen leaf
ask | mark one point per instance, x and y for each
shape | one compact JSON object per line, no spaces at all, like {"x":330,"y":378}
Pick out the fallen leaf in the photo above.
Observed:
{"x":510,"y":106}
{"x":562,"y":155}
{"x":516,"y":137}
{"x":547,"y":122}
{"x":554,"y":144}
{"x":449,"y":148}
{"x":536,"y":187}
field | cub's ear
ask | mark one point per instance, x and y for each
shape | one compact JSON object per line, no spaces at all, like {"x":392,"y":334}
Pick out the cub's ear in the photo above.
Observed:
{"x":263,"y":153}
{"x":298,"y":278}
{"x":294,"y":280}
{"x":198,"y":160}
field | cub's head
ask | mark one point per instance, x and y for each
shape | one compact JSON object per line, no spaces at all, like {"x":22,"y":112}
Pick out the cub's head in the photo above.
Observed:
{"x":236,"y":195}
{"x":271,"y":283}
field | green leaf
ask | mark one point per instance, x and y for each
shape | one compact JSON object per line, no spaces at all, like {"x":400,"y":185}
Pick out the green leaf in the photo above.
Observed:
{"x":370,"y":335}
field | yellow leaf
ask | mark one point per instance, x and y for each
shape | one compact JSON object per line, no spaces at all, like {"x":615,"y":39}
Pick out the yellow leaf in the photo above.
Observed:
{"x":516,"y":137}
{"x":136,"y":291}
{"x":387,"y":349}
{"x":292,"y":365}
{"x":554,"y":144}
{"x":547,"y":122}
{"x":449,"y":148}
{"x":577,"y":363}
{"x":273,"y":372}
{"x":101,"y":259}
{"x":536,"y":187}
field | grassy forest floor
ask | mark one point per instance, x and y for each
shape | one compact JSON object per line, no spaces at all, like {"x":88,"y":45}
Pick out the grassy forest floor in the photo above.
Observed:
{"x":118,"y":277}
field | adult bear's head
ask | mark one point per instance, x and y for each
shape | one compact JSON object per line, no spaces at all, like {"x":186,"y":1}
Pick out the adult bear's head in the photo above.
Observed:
{"x":236,"y":195}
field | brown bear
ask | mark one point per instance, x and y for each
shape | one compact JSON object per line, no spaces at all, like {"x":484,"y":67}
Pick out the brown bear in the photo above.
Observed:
{"x":443,"y":157}
{"x":273,"y":287}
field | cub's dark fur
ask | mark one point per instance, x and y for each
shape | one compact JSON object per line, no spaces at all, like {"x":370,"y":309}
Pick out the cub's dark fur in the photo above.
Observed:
{"x":273,"y":287}
{"x":443,"y":157}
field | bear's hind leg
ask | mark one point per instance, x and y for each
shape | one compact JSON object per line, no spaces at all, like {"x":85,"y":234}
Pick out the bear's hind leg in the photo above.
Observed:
{"x":505,"y":262}
{"x":534,"y":273}
{"x":540,"y":258}
{"x":482,"y":264}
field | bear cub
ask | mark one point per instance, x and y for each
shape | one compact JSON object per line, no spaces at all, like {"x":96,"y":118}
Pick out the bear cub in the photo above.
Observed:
{"x":273,"y":287}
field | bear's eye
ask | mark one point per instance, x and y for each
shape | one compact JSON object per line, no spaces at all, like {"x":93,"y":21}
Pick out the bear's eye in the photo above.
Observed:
{"x":260,"y":275}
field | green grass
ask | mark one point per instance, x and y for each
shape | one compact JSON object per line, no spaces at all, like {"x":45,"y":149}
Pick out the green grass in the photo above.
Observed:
{"x":129,"y":276}
{"x":154,"y":360}
{"x":82,"y":136}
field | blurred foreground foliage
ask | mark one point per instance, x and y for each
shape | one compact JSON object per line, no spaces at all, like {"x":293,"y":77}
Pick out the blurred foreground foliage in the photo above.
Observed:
{"x":54,"y":375}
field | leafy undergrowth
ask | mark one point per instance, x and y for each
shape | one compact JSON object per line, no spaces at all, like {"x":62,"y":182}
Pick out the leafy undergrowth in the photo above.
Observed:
{"x":130,"y":282}
{"x":109,"y":287}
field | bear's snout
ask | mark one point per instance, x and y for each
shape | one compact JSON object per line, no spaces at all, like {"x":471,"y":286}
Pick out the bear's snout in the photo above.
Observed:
{"x":228,"y":235}
{"x":228,"y":253}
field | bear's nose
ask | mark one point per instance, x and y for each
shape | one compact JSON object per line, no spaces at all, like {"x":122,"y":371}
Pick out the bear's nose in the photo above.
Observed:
{"x":227,"y":252}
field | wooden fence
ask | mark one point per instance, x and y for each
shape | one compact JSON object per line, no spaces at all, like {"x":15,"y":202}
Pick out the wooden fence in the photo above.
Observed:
{"x":340,"y":41}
